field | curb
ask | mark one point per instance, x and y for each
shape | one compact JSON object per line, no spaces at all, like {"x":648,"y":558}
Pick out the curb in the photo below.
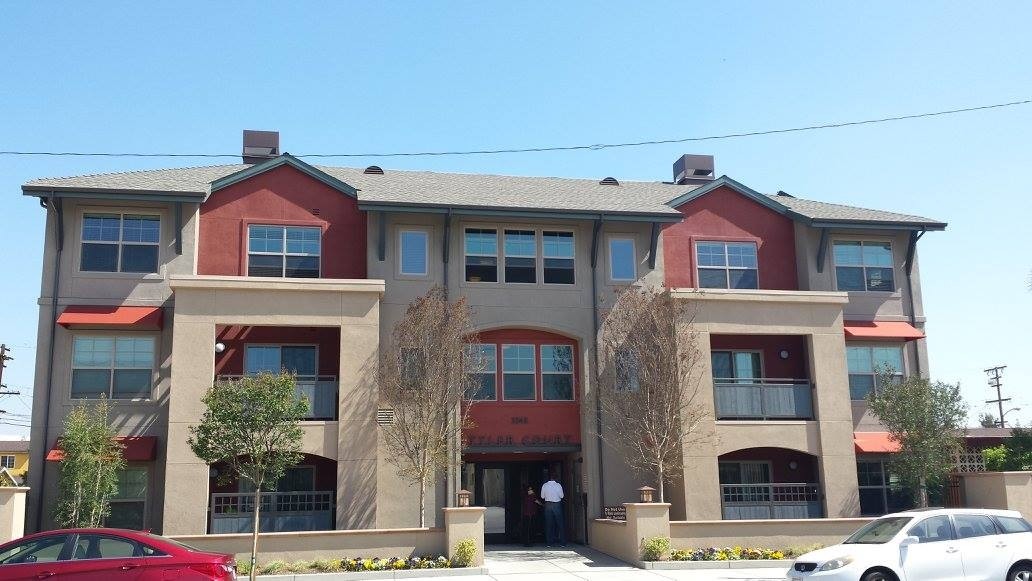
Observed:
{"x":704,"y":565}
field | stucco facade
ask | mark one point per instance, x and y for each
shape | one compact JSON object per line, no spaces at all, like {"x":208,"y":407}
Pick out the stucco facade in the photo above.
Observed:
{"x":218,"y":318}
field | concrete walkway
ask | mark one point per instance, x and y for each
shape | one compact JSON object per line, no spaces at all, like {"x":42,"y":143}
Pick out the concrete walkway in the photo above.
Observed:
{"x":579,"y":563}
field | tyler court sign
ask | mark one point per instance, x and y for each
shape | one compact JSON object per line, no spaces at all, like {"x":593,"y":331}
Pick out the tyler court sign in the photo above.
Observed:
{"x":540,"y":428}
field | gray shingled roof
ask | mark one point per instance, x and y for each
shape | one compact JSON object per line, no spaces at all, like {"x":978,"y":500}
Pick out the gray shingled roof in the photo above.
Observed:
{"x":467,"y":190}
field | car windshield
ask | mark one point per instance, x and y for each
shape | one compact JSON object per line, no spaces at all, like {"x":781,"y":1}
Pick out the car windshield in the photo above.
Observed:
{"x":879,"y":531}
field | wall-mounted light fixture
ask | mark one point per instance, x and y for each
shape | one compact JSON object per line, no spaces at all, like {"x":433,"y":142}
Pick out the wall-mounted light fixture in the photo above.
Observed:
{"x":784,"y":354}
{"x":792,"y":465}
{"x":220,"y":347}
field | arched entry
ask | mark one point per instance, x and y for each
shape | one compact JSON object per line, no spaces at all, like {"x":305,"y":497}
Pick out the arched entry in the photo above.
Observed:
{"x":769,"y":483}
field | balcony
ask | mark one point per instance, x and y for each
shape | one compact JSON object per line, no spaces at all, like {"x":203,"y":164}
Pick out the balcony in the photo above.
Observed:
{"x":280,"y":512}
{"x":320,"y":391}
{"x":763,"y":399}
{"x":771,"y":501}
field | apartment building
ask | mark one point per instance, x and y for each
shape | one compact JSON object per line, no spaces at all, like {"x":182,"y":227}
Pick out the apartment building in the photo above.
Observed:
{"x":156,"y":283}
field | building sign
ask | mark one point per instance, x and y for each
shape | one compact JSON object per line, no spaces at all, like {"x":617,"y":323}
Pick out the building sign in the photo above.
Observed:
{"x":526,"y":441}
{"x":614,"y":512}
{"x":530,"y":426}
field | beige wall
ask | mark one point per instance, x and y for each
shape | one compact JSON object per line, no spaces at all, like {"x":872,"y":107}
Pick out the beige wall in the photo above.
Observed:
{"x":12,"y":512}
{"x":1003,"y":490}
{"x":772,"y":534}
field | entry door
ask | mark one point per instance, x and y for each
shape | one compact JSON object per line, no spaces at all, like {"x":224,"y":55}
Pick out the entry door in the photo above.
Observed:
{"x":493,"y":484}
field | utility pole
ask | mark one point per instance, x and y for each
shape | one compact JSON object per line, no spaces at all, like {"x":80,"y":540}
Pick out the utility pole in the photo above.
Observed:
{"x":995,"y":374}
{"x":4,"y":358}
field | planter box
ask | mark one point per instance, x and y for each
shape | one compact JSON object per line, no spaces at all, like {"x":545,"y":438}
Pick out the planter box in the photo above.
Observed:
{"x":362,"y":575}
{"x":782,"y":564}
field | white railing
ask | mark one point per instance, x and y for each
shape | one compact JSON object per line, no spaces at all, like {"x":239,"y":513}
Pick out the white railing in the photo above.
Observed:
{"x":763,"y":399}
{"x":771,"y":501}
{"x":280,"y":511}
{"x":319,"y":390}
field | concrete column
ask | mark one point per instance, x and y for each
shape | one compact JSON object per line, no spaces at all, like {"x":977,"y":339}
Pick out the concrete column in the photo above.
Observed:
{"x":701,"y":478}
{"x":833,"y":410}
{"x":186,"y":476}
{"x":465,"y":522}
{"x":12,"y":512}
{"x":356,"y":428}
{"x":646,"y":520}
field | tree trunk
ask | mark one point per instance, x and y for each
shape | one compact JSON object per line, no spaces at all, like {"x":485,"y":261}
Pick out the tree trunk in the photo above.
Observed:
{"x":922,"y":494}
{"x":254,"y":532}
{"x":422,"y":501}
{"x":661,"y":485}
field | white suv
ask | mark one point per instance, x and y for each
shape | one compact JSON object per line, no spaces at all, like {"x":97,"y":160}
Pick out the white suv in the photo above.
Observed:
{"x":927,"y":545}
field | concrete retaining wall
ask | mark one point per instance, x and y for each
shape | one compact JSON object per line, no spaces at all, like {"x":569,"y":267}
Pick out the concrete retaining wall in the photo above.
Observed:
{"x":769,"y":534}
{"x":1005,"y":490}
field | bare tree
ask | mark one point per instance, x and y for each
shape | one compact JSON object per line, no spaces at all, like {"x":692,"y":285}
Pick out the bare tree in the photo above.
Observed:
{"x":648,"y":382}
{"x":425,"y":376}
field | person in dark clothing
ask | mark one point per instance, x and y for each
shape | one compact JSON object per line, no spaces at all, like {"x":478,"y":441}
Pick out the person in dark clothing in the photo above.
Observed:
{"x":530,"y":510}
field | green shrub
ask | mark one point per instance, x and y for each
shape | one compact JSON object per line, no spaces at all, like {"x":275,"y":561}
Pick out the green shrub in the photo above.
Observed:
{"x":995,"y":458}
{"x":465,"y":553}
{"x":655,"y":548}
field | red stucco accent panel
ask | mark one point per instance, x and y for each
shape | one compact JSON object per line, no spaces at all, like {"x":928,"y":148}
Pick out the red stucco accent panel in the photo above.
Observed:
{"x":779,"y":458}
{"x":281,"y":196}
{"x":726,"y":215}
{"x":795,"y":367}
{"x":236,"y":338}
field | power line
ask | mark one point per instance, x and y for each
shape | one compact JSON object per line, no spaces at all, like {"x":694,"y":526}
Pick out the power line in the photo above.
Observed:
{"x":594,"y":147}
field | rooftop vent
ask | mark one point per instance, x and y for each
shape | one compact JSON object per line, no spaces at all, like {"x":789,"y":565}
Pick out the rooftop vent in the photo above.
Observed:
{"x":260,"y":146}
{"x":785,"y":194}
{"x":693,"y":169}
{"x":373,"y":170}
{"x":610,"y":181}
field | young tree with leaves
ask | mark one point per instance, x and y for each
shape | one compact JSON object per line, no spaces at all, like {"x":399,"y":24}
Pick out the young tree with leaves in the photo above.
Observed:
{"x":89,"y":471}
{"x":926,"y":418}
{"x":648,"y":383}
{"x":253,"y":427}
{"x":425,"y":376}
{"x":987,"y":420}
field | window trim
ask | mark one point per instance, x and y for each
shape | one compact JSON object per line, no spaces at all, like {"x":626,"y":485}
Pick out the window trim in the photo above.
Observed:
{"x":114,"y":336}
{"x":727,"y":268}
{"x":400,"y":273}
{"x":466,"y":254}
{"x":121,"y":213}
{"x":273,"y":224}
{"x":864,"y":240}
{"x":538,"y":256}
{"x":634,"y":257}
{"x":281,"y":346}
{"x":532,"y":373}
{"x":3,"y":461}
{"x":870,"y":347}
{"x":573,"y":236}
{"x":572,"y":373}
{"x":146,"y":493}
{"x":528,"y":337}
{"x":495,"y":351}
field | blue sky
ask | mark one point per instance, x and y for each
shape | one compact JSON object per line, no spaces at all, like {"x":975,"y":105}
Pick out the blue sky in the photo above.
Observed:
{"x":398,"y":76}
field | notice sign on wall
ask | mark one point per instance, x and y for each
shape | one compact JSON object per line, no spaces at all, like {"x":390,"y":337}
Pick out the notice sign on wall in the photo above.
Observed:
{"x":614,"y":512}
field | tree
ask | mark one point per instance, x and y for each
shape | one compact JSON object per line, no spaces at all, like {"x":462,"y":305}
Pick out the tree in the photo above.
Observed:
{"x":648,"y":386}
{"x":987,"y":420}
{"x":89,"y":471}
{"x":253,"y":426}
{"x":1014,"y":454}
{"x":925,"y":418}
{"x":426,"y":376}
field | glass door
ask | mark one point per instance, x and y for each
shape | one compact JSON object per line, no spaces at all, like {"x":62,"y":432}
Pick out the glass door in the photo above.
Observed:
{"x":493,"y":498}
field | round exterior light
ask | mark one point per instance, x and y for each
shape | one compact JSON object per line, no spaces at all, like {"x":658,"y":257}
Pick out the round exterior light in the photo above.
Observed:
{"x":220,"y":347}
{"x":793,"y":465}
{"x":783,"y":354}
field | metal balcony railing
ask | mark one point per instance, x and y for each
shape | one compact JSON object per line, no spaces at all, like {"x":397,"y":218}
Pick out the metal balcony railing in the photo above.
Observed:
{"x":771,"y":501}
{"x":280,"y":511}
{"x":319,"y":390}
{"x":763,"y":399}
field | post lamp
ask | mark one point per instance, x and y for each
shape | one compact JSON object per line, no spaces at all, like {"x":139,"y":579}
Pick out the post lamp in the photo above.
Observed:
{"x":645,"y":493}
{"x":462,"y":498}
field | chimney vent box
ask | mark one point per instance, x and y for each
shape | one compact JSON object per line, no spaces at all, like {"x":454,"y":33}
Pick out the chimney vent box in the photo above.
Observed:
{"x":260,"y":146}
{"x":694,"y":169}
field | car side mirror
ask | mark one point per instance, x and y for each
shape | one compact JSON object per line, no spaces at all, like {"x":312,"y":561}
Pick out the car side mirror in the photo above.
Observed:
{"x":909,"y":540}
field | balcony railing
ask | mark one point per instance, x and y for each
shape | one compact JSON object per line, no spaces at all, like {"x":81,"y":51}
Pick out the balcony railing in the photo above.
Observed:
{"x":763,"y":399}
{"x":771,"y":501}
{"x":319,"y":390}
{"x":280,"y":512}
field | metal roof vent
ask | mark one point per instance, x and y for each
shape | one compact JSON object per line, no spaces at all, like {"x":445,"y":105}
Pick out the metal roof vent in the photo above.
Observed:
{"x":694,"y":169}
{"x":384,"y":417}
{"x":785,"y":194}
{"x":373,"y":170}
{"x":610,"y":181}
{"x":260,"y":146}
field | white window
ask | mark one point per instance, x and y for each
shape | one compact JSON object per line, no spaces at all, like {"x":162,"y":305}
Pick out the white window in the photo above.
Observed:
{"x":867,"y":363}
{"x":520,"y":256}
{"x":486,"y":363}
{"x":301,"y":360}
{"x":863,"y":265}
{"x":481,"y":248}
{"x":727,"y":264}
{"x":413,"y":257}
{"x":622,"y":260}
{"x":6,"y":461}
{"x":558,"y":251}
{"x":518,"y":371}
{"x":128,"y":505}
{"x":120,"y":243}
{"x":114,"y":367}
{"x":557,"y":372}
{"x":283,"y":251}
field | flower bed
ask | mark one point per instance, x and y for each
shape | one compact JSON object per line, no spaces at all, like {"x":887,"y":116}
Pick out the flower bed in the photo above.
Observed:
{"x":349,"y":565}
{"x":727,"y":554}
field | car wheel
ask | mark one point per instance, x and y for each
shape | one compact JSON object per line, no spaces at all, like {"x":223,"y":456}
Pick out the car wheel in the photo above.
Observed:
{"x":1020,"y":573}
{"x":876,"y":576}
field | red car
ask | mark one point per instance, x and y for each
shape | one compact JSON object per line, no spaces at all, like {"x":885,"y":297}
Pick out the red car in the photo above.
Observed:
{"x":109,"y":555}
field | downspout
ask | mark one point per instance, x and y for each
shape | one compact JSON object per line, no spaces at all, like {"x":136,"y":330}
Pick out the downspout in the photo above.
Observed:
{"x":911,"y":310}
{"x":56,"y":205}
{"x":594,"y":340}
{"x":452,"y":483}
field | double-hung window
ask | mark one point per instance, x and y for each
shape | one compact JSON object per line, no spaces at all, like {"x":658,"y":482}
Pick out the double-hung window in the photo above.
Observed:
{"x":485,"y":366}
{"x":481,"y":247}
{"x":7,"y":461}
{"x":863,"y":266}
{"x":283,"y":251}
{"x":413,"y":259}
{"x":120,"y":243}
{"x":727,"y":264}
{"x":518,"y":371}
{"x":301,"y":360}
{"x":622,"y":260}
{"x":112,"y":367}
{"x":558,"y":251}
{"x":556,"y":372}
{"x":866,"y":364}
{"x":520,"y":256}
{"x":130,"y":499}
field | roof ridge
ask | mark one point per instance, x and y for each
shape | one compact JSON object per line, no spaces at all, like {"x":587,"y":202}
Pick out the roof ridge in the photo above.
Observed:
{"x":495,"y":175}
{"x":131,"y":172}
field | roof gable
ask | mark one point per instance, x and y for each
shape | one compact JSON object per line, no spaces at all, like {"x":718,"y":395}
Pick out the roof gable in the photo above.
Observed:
{"x":285,"y":159}
{"x":724,"y":181}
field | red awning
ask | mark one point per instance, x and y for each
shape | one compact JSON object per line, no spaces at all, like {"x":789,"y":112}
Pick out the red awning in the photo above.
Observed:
{"x":99,"y":316}
{"x":881,"y":330}
{"x":874,"y":443}
{"x":137,"y":449}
